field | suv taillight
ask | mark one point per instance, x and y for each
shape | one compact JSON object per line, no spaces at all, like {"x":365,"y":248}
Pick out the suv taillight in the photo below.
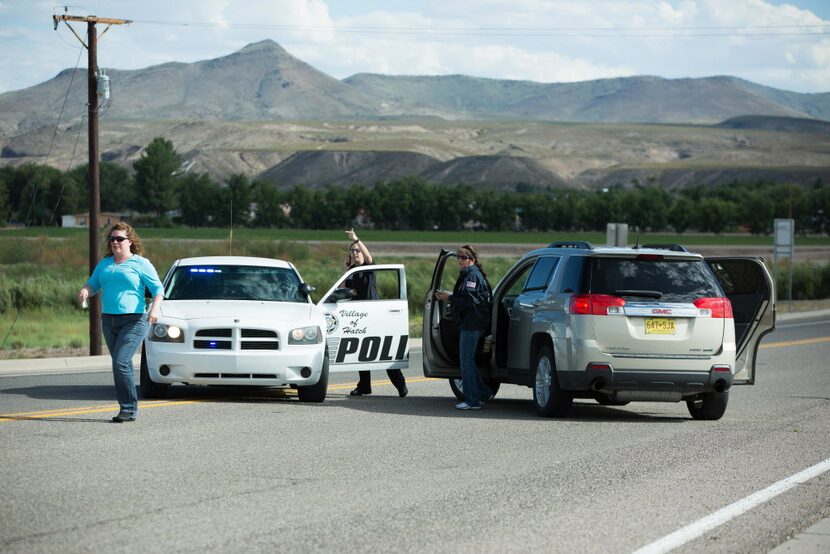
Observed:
{"x":594,"y":304}
{"x":718,"y":306}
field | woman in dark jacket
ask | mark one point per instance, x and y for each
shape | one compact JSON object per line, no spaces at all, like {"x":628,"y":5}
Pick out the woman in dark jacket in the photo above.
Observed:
{"x":470,"y":301}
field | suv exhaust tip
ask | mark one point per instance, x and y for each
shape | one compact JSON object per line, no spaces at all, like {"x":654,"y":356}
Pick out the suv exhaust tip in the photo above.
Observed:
{"x":721,"y":386}
{"x":597,"y":384}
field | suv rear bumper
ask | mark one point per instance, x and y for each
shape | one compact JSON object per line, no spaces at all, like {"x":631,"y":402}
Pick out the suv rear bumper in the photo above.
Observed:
{"x":607,"y":380}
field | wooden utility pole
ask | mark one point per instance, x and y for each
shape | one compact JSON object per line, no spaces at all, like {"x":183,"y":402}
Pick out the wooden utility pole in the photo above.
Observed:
{"x":94,"y":182}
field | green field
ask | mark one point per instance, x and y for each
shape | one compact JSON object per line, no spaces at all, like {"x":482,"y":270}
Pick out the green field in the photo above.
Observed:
{"x":445,"y":237}
{"x":41,"y":270}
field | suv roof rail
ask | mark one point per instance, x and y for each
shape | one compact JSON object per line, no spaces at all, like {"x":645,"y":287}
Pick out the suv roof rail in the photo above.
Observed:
{"x":673,"y":247}
{"x":571,"y":244}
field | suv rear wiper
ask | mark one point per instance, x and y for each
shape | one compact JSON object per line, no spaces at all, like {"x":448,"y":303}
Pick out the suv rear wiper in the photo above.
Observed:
{"x":643,"y":293}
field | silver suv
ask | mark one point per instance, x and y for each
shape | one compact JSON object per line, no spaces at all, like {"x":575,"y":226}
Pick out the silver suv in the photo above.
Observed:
{"x":652,"y":323}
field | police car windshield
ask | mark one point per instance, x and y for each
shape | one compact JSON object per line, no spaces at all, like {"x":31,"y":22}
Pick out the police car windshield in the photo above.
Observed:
{"x":229,"y":282}
{"x":666,"y":280}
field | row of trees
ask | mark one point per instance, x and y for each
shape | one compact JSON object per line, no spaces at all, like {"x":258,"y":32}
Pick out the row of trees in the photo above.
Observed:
{"x":163,"y":195}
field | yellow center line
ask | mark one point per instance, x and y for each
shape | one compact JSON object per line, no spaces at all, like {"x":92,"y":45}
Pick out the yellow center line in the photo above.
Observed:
{"x":800,"y":342}
{"x":90,"y":410}
{"x":144,"y":404}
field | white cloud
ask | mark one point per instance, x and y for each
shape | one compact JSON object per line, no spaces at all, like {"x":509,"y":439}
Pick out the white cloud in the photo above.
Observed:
{"x":517,"y":39}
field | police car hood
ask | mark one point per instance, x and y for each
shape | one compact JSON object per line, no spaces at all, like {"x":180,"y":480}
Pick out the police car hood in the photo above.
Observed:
{"x":223,"y":309}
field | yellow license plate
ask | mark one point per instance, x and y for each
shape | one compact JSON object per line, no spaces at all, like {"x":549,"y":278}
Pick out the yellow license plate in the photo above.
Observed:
{"x":660,"y":326}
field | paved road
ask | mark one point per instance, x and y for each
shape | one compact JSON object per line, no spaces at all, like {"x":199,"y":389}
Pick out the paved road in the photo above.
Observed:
{"x":213,"y":469}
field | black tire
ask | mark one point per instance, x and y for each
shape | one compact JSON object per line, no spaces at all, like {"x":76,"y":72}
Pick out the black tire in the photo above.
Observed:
{"x":709,"y":406}
{"x":605,"y":400}
{"x":457,"y":387}
{"x":549,"y":399}
{"x":316,"y":392}
{"x":149,"y":389}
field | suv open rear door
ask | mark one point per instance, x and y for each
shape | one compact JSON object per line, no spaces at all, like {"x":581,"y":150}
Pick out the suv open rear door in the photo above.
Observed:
{"x":751,"y":290}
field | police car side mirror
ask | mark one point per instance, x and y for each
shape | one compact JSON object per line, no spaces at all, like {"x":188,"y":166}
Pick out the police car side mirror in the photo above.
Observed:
{"x":340,"y":294}
{"x":306,"y":289}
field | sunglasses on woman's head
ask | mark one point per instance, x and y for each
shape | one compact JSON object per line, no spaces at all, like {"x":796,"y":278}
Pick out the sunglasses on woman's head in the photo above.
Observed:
{"x":462,"y":257}
{"x":354,"y":250}
{"x":118,"y":239}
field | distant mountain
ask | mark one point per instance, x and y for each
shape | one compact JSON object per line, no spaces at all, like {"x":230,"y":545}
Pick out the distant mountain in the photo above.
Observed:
{"x":264,"y":113}
{"x":625,"y":99}
{"x":264,"y":82}
{"x":259,"y":82}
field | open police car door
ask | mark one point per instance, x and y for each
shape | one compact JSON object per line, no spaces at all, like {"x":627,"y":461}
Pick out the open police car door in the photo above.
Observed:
{"x":368,"y":335}
{"x":440,"y":333}
{"x":750,"y":288}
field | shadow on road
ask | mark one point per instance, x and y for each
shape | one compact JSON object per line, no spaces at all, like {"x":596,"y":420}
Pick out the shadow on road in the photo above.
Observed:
{"x":412,"y":405}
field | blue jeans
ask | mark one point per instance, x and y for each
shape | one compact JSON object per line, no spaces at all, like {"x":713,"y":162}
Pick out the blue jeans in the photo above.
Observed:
{"x":476,"y":390}
{"x":123,"y":335}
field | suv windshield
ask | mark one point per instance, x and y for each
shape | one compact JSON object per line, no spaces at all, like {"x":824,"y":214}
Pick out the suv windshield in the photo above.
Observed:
{"x":665,"y":279}
{"x":230,"y":282}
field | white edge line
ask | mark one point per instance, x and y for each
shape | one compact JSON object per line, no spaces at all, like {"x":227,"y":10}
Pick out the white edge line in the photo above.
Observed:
{"x":701,"y":526}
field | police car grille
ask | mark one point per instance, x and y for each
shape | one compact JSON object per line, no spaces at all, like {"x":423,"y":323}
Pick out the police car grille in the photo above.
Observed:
{"x":267,"y":339}
{"x":214,"y":333}
{"x":212,"y":344}
{"x":258,"y":334}
{"x":235,"y":376}
{"x":259,"y":345}
{"x":248,"y":339}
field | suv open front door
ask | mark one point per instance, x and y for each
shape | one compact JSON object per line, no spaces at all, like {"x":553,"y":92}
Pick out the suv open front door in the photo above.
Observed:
{"x":368,"y":334}
{"x":440,"y":334}
{"x":750,"y":288}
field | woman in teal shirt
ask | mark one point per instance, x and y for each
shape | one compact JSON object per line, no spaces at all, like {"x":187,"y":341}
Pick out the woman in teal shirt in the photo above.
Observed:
{"x":123,"y":275}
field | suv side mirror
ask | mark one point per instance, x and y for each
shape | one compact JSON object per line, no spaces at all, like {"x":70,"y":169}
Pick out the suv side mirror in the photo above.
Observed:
{"x":341,"y":294}
{"x":306,"y":289}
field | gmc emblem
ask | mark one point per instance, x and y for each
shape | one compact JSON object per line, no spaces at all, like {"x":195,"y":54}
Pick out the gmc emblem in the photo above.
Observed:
{"x":666,"y":311}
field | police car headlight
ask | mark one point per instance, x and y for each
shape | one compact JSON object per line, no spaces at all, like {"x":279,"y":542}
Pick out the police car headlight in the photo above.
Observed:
{"x":160,"y":332}
{"x":305,"y":335}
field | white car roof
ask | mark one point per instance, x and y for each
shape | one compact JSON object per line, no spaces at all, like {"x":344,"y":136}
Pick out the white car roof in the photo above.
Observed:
{"x":235,"y":260}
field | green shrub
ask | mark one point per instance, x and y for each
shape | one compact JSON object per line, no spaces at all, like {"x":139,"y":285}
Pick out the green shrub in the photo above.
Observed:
{"x":810,"y":281}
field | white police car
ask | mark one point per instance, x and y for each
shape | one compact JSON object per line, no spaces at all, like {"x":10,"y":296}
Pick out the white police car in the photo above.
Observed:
{"x":236,"y":320}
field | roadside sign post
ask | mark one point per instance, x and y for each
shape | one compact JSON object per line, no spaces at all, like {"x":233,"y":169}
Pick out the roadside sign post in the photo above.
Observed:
{"x":784,"y":247}
{"x":616,"y":234}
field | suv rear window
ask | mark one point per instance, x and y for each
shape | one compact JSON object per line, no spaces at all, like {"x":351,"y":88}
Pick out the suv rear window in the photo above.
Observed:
{"x":675,"y":280}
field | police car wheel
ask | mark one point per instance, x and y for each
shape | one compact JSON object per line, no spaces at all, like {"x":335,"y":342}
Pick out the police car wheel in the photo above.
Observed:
{"x":549,"y":399}
{"x":316,"y":392}
{"x":709,"y":406}
{"x":149,"y":389}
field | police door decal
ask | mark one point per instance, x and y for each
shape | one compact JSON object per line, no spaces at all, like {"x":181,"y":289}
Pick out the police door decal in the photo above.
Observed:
{"x":370,"y":334}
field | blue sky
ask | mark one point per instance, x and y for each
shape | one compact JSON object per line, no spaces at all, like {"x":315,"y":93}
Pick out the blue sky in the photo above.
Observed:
{"x":783,"y":44}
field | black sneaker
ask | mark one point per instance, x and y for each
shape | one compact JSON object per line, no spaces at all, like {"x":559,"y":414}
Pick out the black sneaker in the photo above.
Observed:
{"x":357,"y":391}
{"x":123,"y":417}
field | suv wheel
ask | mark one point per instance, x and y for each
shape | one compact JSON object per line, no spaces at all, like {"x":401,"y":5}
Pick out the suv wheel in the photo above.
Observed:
{"x":457,"y":387}
{"x":708,"y":406}
{"x":550,"y":400}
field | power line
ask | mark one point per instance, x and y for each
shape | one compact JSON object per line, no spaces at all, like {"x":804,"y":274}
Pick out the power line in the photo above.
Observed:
{"x":640,"y":31}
